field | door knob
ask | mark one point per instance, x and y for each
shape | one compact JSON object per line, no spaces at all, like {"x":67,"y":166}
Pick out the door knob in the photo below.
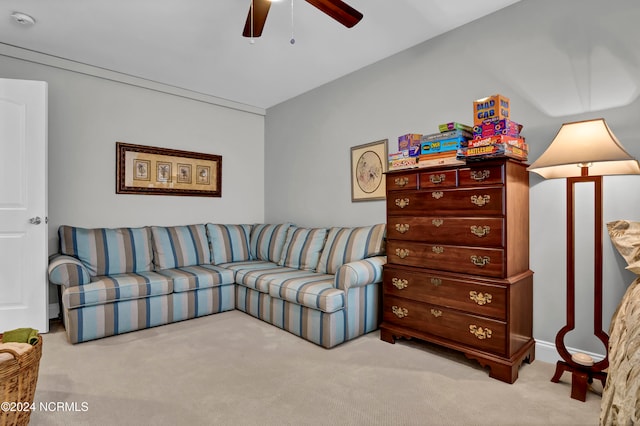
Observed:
{"x":35,"y":220}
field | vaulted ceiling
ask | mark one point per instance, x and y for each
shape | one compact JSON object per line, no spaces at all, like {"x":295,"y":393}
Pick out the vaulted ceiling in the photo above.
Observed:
{"x":198,"y":45}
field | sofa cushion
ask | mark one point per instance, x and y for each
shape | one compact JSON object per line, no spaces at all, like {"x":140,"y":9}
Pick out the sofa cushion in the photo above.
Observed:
{"x":197,"y":277}
{"x":315,"y":291}
{"x":267,"y":241}
{"x":117,"y":287}
{"x":302,"y":248}
{"x":346,"y":245}
{"x":229,"y":243}
{"x":248,"y":265}
{"x":105,"y":251}
{"x":259,"y":279}
{"x":179,"y":246}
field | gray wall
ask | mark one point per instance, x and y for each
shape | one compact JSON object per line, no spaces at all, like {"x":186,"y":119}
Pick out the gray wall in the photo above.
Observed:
{"x":87,"y":115}
{"x":553,"y":66}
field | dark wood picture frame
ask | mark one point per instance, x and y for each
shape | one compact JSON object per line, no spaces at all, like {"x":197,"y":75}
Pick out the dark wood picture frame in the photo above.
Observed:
{"x":149,"y":170}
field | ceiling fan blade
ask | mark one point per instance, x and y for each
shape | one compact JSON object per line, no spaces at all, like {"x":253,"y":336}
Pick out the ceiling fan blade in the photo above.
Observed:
{"x":338,"y":10}
{"x":260,"y":11}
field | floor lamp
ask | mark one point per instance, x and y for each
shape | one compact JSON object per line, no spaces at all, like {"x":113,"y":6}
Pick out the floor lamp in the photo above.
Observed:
{"x":583,"y":151}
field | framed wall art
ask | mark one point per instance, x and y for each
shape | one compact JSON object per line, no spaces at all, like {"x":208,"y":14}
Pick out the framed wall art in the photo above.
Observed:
{"x":149,"y":170}
{"x":368,"y":165}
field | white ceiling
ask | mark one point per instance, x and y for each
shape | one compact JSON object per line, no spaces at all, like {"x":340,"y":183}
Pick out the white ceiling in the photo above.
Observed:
{"x":198,"y":44}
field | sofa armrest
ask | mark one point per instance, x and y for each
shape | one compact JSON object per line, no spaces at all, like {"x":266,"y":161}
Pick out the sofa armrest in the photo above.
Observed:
{"x":360,"y":273}
{"x":67,"y":271}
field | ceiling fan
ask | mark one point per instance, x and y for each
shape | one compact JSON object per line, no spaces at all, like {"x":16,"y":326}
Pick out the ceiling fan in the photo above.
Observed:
{"x":337,"y":9}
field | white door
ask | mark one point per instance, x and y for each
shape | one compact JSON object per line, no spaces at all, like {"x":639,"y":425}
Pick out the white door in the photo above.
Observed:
{"x":23,"y":205}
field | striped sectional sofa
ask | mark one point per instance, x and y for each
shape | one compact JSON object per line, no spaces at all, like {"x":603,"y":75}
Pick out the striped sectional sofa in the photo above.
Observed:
{"x":322,"y":284}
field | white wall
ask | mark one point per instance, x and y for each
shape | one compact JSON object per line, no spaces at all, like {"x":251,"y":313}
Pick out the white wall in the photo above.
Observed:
{"x":87,"y":115}
{"x":556,"y":61}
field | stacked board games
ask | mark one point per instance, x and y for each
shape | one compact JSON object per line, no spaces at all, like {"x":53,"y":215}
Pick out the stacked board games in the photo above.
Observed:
{"x":494,"y":134}
{"x":437,"y":149}
{"x":408,"y":152}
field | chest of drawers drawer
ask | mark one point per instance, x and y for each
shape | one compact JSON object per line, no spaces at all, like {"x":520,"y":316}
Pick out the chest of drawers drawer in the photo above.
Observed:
{"x":463,"y":201}
{"x":468,"y":295}
{"x":481,"y":333}
{"x":488,"y":262}
{"x":472,"y":231}
{"x":403,"y":181}
{"x":481,"y":175}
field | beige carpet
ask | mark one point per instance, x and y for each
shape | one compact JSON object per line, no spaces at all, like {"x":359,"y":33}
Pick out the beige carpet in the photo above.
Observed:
{"x":232,"y":369}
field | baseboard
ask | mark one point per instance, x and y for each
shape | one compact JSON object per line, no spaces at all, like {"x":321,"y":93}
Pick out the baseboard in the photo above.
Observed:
{"x":546,"y":352}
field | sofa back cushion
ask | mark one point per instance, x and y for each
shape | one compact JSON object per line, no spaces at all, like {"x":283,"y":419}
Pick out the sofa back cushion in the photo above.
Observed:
{"x":302,"y":248}
{"x":346,"y":245}
{"x":105,"y":251}
{"x":267,"y":241}
{"x":179,"y":246}
{"x":229,"y":243}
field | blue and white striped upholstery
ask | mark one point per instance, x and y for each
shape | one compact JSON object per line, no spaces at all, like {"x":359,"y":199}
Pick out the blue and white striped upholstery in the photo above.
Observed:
{"x":346,"y":245}
{"x":106,"y":251}
{"x":97,"y":321}
{"x":106,"y":289}
{"x":259,"y":279}
{"x":198,"y":277}
{"x":178,"y":246}
{"x":267,"y":241}
{"x":193,"y":304}
{"x":360,"y":273}
{"x":313,"y":291}
{"x":307,"y":288}
{"x":229,"y":243}
{"x":321,"y":328}
{"x":248,"y":265}
{"x":67,"y":271}
{"x":302,"y":248}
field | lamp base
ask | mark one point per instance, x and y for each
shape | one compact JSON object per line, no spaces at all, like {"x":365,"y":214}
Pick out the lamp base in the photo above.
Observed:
{"x":581,"y":376}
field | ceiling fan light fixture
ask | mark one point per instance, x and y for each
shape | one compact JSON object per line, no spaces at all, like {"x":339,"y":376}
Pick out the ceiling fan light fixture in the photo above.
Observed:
{"x":23,"y":18}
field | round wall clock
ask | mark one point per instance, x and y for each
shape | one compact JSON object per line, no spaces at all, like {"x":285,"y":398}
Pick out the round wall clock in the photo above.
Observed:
{"x":369,"y":171}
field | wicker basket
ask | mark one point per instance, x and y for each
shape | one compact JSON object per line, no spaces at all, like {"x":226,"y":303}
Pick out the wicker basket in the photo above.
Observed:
{"x":18,"y":378}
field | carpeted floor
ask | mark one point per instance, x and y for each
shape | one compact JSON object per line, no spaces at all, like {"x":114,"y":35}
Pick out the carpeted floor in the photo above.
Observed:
{"x":232,"y":369}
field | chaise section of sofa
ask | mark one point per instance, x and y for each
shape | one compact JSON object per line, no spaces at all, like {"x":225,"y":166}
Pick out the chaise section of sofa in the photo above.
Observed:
{"x":322,"y":284}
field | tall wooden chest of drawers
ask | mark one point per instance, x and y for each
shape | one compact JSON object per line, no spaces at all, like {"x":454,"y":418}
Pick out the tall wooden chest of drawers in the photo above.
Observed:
{"x":458,"y":262}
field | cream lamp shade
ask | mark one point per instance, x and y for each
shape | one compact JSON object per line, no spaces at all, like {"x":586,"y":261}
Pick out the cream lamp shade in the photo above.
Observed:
{"x":589,"y":143}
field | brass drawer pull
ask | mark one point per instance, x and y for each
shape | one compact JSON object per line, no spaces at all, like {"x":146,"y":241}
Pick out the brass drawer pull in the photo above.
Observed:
{"x":437,"y":222}
{"x":436,"y":179}
{"x":401,"y":181}
{"x":480,"y":231}
{"x":480,"y":298}
{"x":400,"y":283}
{"x":480,"y":260}
{"x":479,"y":176}
{"x":402,"y":202}
{"x":400,"y":312}
{"x":402,"y":227}
{"x":436,"y":281}
{"x":479,"y":332}
{"x":437,"y":249}
{"x":436,"y":313}
{"x":437,"y":195}
{"x":402,"y":253}
{"x":480,"y":200}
